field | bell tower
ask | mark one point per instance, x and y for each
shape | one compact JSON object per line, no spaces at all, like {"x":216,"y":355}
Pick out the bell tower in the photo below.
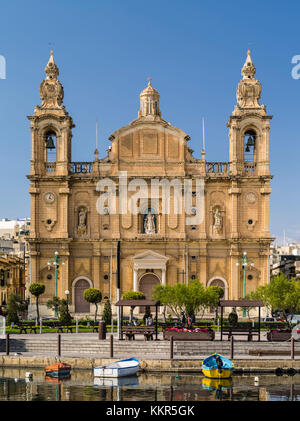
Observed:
{"x":249,"y":127}
{"x":51,"y":128}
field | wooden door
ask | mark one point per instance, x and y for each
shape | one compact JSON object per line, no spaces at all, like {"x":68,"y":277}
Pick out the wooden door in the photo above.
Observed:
{"x":81,"y":305}
{"x":147,"y":283}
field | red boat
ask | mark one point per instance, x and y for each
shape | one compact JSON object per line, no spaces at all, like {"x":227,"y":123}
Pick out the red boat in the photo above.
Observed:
{"x":58,"y":370}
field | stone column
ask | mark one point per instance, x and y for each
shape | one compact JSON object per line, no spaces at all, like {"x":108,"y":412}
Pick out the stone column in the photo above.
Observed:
{"x":163,"y":276}
{"x":234,"y":192}
{"x":135,"y":279}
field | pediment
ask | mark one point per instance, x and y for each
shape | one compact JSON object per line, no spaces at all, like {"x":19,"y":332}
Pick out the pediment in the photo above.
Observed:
{"x":150,"y":255}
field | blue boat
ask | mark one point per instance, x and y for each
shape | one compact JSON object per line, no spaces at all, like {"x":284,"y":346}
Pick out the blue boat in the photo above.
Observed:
{"x":217,"y":367}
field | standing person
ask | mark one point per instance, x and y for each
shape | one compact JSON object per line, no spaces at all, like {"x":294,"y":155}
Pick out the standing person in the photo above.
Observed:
{"x":149,"y":321}
{"x":182,"y":319}
{"x":189,"y":322}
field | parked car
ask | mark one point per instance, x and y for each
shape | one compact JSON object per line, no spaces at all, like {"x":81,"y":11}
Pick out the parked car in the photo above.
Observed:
{"x":270,"y":319}
{"x":294,"y":318}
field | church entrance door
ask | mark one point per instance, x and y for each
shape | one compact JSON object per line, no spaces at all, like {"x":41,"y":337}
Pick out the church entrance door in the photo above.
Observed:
{"x":147,"y":283}
{"x":81,"y":306}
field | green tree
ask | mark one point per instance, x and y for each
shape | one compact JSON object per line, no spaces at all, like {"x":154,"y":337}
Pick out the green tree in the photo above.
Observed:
{"x":107,"y":314}
{"x":63,"y":310}
{"x":60,"y":306}
{"x":133,"y":295}
{"x":14,"y":306}
{"x":37,"y":289}
{"x":93,"y":296}
{"x":53,"y":304}
{"x":188,"y":299}
{"x":214,"y":293}
{"x":281,"y":294}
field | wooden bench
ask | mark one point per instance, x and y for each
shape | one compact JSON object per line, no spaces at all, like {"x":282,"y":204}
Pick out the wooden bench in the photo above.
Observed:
{"x":60,"y":327}
{"x":95,"y":327}
{"x":231,"y":331}
{"x":131,"y":331}
{"x":23,"y":327}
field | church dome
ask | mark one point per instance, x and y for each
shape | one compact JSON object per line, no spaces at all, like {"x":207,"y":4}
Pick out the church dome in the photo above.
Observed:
{"x":149,"y":101}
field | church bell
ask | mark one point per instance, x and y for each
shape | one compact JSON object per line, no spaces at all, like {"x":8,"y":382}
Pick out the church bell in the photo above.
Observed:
{"x":250,"y":142}
{"x":50,"y":143}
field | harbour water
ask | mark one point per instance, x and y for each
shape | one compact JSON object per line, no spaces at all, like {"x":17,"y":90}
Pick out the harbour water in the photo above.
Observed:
{"x":82,"y":386}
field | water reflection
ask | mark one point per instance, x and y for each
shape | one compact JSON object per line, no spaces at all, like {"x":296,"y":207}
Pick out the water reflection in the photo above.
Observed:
{"x":82,"y":386}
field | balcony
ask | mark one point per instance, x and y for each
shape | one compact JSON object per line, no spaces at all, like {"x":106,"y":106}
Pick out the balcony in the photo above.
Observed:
{"x":249,"y":168}
{"x":50,"y":167}
{"x":81,"y":167}
{"x":217,"y":167}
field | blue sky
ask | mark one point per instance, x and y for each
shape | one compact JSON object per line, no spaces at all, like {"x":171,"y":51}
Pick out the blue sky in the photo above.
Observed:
{"x":193,"y":50}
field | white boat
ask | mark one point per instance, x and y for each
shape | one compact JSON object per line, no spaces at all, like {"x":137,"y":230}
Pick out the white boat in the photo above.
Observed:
{"x":116,"y":381}
{"x":118,"y":368}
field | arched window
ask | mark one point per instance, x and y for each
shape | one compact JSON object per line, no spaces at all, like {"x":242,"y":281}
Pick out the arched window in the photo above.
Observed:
{"x":249,"y":145}
{"x":50,"y":146}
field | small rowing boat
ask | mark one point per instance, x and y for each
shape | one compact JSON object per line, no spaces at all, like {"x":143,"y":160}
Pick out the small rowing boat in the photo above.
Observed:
{"x":120,"y":368}
{"x":58,"y":370}
{"x":217,"y":367}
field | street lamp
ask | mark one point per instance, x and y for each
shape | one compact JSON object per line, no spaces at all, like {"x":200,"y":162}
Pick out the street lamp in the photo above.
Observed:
{"x":67,"y":292}
{"x":245,"y":263}
{"x":56,"y":261}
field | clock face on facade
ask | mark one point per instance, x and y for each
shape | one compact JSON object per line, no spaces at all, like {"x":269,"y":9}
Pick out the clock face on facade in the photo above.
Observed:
{"x":49,"y":197}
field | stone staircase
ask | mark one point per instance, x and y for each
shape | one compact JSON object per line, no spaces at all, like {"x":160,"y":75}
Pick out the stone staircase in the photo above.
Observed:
{"x":83,"y":345}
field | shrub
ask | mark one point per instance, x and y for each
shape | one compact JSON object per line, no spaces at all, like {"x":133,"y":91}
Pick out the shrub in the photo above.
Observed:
{"x":37,"y":289}
{"x":106,"y":316}
{"x":93,"y":296}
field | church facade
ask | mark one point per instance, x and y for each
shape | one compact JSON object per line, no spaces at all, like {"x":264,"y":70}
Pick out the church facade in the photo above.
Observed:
{"x":80,"y":210}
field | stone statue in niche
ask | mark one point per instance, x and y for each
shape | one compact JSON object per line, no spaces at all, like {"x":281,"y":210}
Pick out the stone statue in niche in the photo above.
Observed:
{"x":82,"y":216}
{"x":149,"y":224}
{"x":218,"y":221}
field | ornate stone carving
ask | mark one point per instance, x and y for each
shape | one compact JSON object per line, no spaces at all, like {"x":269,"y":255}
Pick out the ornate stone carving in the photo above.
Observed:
{"x":251,"y":198}
{"x":218,"y":221}
{"x":82,"y":222}
{"x":51,"y":90}
{"x":249,"y":88}
{"x":149,"y":224}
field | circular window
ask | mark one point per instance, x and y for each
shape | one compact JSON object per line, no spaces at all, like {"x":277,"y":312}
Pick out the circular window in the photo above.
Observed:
{"x":193,"y":228}
{"x":250,"y":277}
{"x":105,"y":277}
{"x":49,"y":221}
{"x":49,"y":276}
{"x":250,"y":222}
